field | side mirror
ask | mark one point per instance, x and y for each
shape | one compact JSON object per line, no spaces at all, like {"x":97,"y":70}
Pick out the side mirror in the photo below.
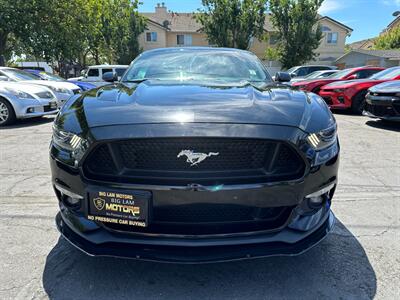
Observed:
{"x":110,"y":76}
{"x":293,"y":75}
{"x":3,"y":78}
{"x":83,"y":73}
{"x":282,"y":77}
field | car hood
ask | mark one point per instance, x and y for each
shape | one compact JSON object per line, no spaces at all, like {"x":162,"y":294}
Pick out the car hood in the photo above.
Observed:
{"x":54,"y":84}
{"x":311,"y":81}
{"x":25,"y":87}
{"x":348,"y":83}
{"x":387,"y":87}
{"x":156,"y":102}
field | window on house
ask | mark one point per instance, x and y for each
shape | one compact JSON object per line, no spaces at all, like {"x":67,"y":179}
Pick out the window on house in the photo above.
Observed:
{"x":273,"y":38}
{"x":325,"y":28}
{"x":184,"y":39}
{"x":332,"y":38}
{"x":151,"y":36}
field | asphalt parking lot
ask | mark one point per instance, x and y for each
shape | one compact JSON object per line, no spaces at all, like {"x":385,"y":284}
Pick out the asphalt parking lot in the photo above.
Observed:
{"x":359,"y":260}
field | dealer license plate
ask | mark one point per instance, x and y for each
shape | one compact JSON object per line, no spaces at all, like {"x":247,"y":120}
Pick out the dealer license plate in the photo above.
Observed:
{"x":124,"y":208}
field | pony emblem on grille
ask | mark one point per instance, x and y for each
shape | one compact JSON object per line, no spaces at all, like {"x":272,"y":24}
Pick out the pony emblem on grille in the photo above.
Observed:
{"x":194,"y":158}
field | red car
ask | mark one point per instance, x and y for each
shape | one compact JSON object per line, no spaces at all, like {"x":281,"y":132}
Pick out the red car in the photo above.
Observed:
{"x":351,"y":93}
{"x":315,"y":85}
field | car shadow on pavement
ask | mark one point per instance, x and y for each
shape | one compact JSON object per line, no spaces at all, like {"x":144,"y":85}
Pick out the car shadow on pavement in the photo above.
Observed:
{"x":382,"y":124}
{"x":337,"y":268}
{"x":22,"y":123}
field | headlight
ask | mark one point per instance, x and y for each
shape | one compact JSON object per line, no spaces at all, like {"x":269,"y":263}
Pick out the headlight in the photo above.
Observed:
{"x":18,"y":93}
{"x":338,"y":90}
{"x":324,"y":138}
{"x":71,"y":143}
{"x":61,"y":90}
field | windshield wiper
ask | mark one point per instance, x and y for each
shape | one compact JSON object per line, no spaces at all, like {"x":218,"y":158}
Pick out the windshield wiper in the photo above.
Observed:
{"x":139,"y":80}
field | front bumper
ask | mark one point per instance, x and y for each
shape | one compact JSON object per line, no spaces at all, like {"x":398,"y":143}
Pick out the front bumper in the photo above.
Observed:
{"x":284,"y":243}
{"x":292,"y":237}
{"x":30,"y":108}
{"x":383,"y":107}
{"x":335,"y":100}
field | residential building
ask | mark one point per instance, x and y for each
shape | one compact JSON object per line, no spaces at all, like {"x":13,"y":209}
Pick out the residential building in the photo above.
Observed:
{"x":367,"y":44}
{"x":395,"y":23}
{"x":378,"y":58}
{"x":171,"y":29}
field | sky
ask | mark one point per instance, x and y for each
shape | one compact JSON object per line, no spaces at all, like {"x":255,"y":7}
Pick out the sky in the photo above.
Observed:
{"x":367,"y":17}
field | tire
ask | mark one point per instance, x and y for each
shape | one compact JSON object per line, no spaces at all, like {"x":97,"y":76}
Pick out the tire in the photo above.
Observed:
{"x":7,"y":114}
{"x":358,"y":103}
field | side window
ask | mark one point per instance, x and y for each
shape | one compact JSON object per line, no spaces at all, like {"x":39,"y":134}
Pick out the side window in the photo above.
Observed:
{"x":317,"y":68}
{"x":365,"y":73}
{"x":302,"y":71}
{"x":372,"y":72}
{"x":93,"y":73}
{"x":120,"y":71}
{"x":106,"y":70}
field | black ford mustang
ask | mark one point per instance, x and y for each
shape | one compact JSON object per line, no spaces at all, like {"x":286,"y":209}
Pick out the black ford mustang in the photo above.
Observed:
{"x":194,"y":156}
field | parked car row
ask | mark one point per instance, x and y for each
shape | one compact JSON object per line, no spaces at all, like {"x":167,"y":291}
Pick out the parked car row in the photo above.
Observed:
{"x":25,"y":100}
{"x":347,"y":89}
{"x":32,"y":93}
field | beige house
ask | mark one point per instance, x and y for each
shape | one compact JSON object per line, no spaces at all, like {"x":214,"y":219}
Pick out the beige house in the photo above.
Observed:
{"x":395,"y":23}
{"x":170,"y":29}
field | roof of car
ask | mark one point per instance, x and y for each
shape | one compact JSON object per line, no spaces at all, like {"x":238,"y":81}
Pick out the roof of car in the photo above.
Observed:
{"x":168,"y":49}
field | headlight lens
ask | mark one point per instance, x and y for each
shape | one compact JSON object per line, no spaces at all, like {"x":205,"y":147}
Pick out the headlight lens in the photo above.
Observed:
{"x":324,"y":138}
{"x":338,"y":90}
{"x":61,"y":90}
{"x":69,"y":142}
{"x":18,"y":93}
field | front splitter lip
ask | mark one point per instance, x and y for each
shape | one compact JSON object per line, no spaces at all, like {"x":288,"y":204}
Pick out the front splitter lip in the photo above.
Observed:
{"x":196,"y":255}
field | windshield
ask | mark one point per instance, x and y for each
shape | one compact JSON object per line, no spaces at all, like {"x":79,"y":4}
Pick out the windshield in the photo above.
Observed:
{"x":317,"y":74}
{"x":49,"y":76}
{"x":390,"y":73}
{"x":18,"y":75}
{"x":341,"y":74}
{"x":197,"y":65}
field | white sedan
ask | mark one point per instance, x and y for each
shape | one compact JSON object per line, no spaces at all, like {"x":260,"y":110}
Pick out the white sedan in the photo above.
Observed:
{"x":63,"y":90}
{"x":24,"y":100}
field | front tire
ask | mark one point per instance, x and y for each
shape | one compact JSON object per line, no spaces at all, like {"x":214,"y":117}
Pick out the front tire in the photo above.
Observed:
{"x":7,"y":114}
{"x":358,"y":103}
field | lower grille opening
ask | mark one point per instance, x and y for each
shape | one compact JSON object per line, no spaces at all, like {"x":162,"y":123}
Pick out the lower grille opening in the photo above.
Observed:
{"x":166,"y":161}
{"x":198,"y":219}
{"x":380,"y":110}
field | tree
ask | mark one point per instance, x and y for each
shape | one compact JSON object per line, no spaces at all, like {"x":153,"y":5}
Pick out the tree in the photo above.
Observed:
{"x":232,"y":23}
{"x":69,"y":31}
{"x":14,"y":22}
{"x":389,"y":40}
{"x":299,"y":33}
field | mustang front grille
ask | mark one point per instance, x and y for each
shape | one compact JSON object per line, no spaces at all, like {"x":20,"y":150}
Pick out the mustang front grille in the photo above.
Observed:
{"x":195,"y":160}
